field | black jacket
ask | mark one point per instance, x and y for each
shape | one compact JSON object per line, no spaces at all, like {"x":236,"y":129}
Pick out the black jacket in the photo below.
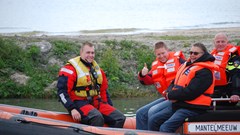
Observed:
{"x":198,"y":85}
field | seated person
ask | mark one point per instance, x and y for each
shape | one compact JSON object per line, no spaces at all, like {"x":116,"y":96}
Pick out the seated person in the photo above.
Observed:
{"x":227,"y":83}
{"x":162,"y":72}
{"x":191,"y":90}
{"x":82,"y":89}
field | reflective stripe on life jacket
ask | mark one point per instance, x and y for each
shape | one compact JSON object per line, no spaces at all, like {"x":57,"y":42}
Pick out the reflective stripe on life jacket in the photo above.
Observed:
{"x":221,"y":59}
{"x":164,"y":73}
{"x":85,"y":85}
{"x":233,"y":65}
{"x":187,"y":73}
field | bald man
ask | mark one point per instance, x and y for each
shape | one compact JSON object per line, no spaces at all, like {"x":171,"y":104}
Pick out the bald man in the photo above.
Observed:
{"x":227,"y":83}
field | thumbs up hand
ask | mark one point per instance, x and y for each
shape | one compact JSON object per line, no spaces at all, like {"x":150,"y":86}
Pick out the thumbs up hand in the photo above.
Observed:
{"x":144,"y":70}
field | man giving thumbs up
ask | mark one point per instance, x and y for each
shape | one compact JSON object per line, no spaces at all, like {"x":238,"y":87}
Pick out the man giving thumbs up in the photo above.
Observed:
{"x":163,"y":71}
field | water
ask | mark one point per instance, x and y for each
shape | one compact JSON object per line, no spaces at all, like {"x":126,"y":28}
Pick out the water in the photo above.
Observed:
{"x":75,"y":16}
{"x":128,"y":106}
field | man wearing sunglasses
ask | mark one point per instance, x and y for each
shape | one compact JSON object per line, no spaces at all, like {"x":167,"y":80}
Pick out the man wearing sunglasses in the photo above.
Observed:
{"x":227,"y":83}
{"x":190,"y":92}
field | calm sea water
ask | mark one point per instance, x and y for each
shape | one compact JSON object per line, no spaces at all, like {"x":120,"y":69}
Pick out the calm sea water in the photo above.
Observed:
{"x":71,"y":16}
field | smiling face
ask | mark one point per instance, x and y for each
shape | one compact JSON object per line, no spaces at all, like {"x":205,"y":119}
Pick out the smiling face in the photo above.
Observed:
{"x":195,"y":53}
{"x":87,"y":53}
{"x":162,"y":54}
{"x":220,"y":42}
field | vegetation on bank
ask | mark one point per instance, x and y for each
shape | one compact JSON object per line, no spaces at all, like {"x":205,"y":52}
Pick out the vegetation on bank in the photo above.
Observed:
{"x":121,"y":60}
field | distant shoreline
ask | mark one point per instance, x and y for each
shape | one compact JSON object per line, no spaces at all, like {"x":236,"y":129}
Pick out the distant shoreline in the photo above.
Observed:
{"x":175,"y":39}
{"x":126,"y":31}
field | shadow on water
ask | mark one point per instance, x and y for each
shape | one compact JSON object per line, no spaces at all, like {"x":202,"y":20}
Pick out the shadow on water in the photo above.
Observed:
{"x":128,"y":106}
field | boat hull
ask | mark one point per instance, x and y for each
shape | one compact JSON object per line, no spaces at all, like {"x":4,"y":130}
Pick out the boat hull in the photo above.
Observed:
{"x":23,"y":120}
{"x":219,"y":122}
{"x":130,"y":123}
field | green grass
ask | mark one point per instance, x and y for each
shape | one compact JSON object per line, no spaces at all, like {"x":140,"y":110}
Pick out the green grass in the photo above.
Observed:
{"x":121,"y":60}
{"x":25,"y":61}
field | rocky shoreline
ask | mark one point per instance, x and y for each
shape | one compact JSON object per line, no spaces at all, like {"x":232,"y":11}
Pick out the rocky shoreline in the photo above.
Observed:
{"x":182,"y":36}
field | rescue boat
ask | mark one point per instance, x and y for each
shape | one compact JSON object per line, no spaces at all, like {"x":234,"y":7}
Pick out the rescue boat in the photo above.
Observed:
{"x":25,"y":121}
{"x":220,"y":120}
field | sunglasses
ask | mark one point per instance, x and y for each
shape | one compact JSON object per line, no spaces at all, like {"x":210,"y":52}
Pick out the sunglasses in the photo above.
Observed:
{"x":194,"y":53}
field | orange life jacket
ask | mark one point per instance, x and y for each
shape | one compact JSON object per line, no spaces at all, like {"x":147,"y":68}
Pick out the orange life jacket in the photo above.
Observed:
{"x":186,"y":73}
{"x":221,"y":59}
{"x":164,"y":73}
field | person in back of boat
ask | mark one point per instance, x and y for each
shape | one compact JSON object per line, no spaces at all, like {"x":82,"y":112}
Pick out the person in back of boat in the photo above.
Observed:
{"x":163,"y":71}
{"x":227,"y":83}
{"x":82,"y":89}
{"x":190,"y":92}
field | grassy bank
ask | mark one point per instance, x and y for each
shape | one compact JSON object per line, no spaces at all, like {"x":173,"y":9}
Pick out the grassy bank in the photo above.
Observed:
{"x":120,"y":57}
{"x":121,"y":60}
